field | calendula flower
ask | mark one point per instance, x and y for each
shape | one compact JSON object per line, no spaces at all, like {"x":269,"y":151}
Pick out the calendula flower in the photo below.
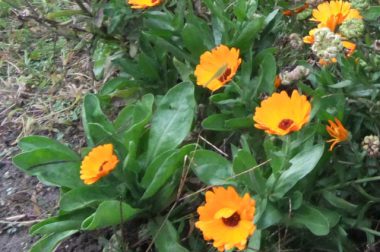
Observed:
{"x":142,"y":4}
{"x":333,"y":13}
{"x":337,"y":132}
{"x":99,"y":162}
{"x":281,"y":114}
{"x":217,"y":67}
{"x":226,"y":218}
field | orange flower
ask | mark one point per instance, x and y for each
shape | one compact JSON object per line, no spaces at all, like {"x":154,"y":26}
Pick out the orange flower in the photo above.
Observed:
{"x":142,"y":4}
{"x":337,"y":132}
{"x":281,"y":114}
{"x":227,"y":218}
{"x":333,"y":13}
{"x":98,"y":163}
{"x":217,"y":67}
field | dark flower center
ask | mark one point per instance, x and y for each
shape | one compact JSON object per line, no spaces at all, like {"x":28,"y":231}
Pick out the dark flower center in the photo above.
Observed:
{"x":232,"y":221}
{"x":225,"y":75}
{"x":285,"y":124}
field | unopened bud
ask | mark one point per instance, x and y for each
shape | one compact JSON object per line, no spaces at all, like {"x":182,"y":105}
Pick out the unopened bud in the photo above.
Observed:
{"x":352,"y":28}
{"x":295,"y":41}
{"x":360,"y":5}
{"x":298,"y":73}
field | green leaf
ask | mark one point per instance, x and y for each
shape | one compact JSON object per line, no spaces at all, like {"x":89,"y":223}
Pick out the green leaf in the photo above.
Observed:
{"x":31,"y":143}
{"x":339,"y":202}
{"x":158,"y":174}
{"x":211,"y":168}
{"x":167,"y":238}
{"x":101,"y":57}
{"x":92,"y":113}
{"x":239,"y":123}
{"x":244,"y":161}
{"x":342,"y":84}
{"x":192,"y":41}
{"x":118,"y":83}
{"x":312,"y":219}
{"x":183,"y":69}
{"x":51,"y":166}
{"x":372,"y":13}
{"x":48,"y":243}
{"x":270,"y":216}
{"x":172,"y":121}
{"x":248,"y":34}
{"x":132,"y":120}
{"x":61,"y":223}
{"x":216,"y":122}
{"x":108,"y":213}
{"x":83,"y":196}
{"x":302,"y":164}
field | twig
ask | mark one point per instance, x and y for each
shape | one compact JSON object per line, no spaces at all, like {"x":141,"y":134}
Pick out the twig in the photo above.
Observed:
{"x":213,"y":146}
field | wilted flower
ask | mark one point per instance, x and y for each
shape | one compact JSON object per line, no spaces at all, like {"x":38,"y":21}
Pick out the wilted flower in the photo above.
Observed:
{"x":281,"y":114}
{"x":376,"y":45}
{"x":217,"y":67}
{"x":337,"y":132}
{"x":277,"y":81}
{"x":360,"y":4}
{"x":142,"y":4}
{"x":298,"y":73}
{"x":295,"y":41}
{"x":326,"y":44}
{"x":371,"y":145}
{"x":352,"y":28}
{"x":99,"y":162}
{"x":333,"y":13}
{"x":226,"y":218}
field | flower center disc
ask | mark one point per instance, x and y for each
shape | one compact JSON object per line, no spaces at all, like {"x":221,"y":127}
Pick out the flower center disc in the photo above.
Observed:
{"x":224,"y":76}
{"x":232,"y":221}
{"x":285,"y":124}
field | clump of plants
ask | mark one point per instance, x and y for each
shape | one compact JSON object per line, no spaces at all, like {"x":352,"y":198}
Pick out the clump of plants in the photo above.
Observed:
{"x":233,"y":135}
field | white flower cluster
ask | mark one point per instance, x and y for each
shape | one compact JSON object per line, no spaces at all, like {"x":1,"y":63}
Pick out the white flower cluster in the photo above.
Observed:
{"x":326,"y":44}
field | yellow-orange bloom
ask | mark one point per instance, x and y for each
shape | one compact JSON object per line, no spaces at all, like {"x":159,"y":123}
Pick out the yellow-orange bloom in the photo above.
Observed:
{"x":142,"y":4}
{"x":99,"y":162}
{"x":337,"y":132}
{"x":281,"y":114}
{"x":333,"y":13}
{"x":226,"y":218}
{"x":217,"y":67}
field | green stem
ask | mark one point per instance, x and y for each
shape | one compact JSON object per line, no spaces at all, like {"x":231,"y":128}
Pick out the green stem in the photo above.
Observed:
{"x":358,"y":181}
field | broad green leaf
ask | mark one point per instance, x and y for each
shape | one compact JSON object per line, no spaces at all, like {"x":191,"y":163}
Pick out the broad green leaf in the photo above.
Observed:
{"x":108,"y":213}
{"x":31,"y":143}
{"x":239,"y":123}
{"x":254,"y":180}
{"x":183,"y":69}
{"x":267,"y":73}
{"x":192,"y":41}
{"x":92,"y":113}
{"x":301,"y":165}
{"x":83,"y":196}
{"x":269,"y":217}
{"x":211,"y":168}
{"x":118,"y":83}
{"x":312,"y":219}
{"x":339,"y":202}
{"x":248,"y":34}
{"x":61,"y":223}
{"x":372,"y":13}
{"x":132,"y":120}
{"x":48,"y":243}
{"x":166,"y":236}
{"x":52,"y":167}
{"x":159,"y":174}
{"x":172,"y":120}
{"x":216,"y":122}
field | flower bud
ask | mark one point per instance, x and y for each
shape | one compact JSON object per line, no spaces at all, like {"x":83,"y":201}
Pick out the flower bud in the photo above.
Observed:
{"x":371,"y":145}
{"x":326,"y":44}
{"x":352,"y":28}
{"x":304,"y":14}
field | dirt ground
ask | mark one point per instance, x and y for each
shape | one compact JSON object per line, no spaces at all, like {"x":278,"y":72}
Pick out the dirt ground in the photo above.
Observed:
{"x":42,"y":97}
